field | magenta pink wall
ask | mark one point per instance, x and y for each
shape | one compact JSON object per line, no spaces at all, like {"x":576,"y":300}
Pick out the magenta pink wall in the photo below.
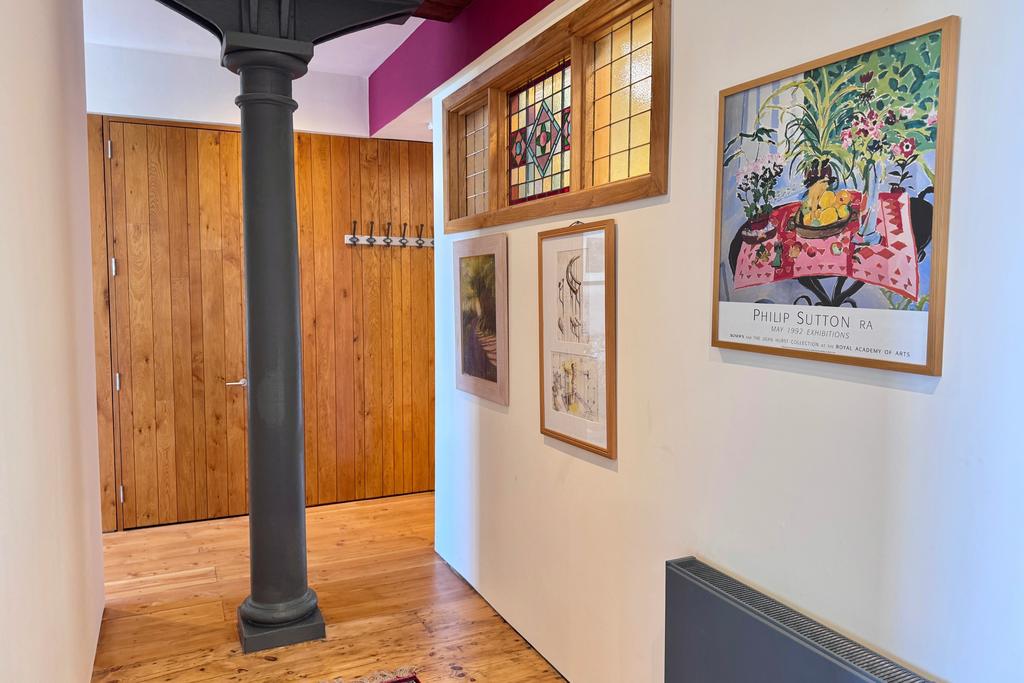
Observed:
{"x":437,"y":51}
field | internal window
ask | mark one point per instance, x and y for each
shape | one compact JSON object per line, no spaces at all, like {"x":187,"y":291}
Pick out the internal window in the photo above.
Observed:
{"x":539,"y":135}
{"x":475,"y":161}
{"x":622,"y":99}
{"x":602,"y":70}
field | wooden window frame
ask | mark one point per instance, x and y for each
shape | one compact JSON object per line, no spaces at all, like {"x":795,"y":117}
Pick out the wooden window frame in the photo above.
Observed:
{"x":571,"y":37}
{"x":455,"y":134}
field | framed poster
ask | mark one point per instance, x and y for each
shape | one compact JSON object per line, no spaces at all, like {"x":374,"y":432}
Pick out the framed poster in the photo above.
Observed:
{"x":577,"y":335}
{"x":481,"y":313}
{"x":833,"y":205}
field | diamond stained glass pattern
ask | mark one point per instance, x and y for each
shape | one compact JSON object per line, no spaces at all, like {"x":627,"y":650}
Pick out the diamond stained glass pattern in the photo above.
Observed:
{"x":539,"y":136}
{"x":622,"y":99}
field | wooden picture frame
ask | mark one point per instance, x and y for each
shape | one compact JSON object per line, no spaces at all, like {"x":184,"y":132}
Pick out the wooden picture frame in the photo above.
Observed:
{"x":577,"y":335}
{"x":481,"y":315}
{"x":890,"y":119}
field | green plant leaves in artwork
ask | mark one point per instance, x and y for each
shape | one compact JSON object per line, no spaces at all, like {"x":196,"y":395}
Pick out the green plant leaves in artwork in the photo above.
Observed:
{"x":849,"y":114}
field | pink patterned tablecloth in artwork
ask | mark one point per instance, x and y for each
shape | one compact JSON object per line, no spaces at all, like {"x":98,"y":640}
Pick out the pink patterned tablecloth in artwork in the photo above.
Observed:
{"x":891,"y":264}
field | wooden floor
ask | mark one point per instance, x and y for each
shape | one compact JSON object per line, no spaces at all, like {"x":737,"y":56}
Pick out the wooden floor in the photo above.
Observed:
{"x":389,"y":601}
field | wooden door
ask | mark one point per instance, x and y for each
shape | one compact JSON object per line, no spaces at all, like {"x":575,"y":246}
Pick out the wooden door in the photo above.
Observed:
{"x":167,"y":209}
{"x":367,"y":318}
{"x":177,"y":322}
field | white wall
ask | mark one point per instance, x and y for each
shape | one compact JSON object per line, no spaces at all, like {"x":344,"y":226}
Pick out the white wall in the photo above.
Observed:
{"x":130,"y":82}
{"x":886,"y":504}
{"x":414,"y":124}
{"x":51,"y":567}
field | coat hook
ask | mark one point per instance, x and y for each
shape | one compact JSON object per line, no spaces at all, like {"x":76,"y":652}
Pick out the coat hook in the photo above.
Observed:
{"x":387,"y":238}
{"x":370,"y":240}
{"x":404,"y":241}
{"x":353,"y":238}
{"x":419,"y":235}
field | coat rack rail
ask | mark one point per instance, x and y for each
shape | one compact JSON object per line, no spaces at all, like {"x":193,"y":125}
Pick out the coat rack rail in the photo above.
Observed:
{"x":388,"y":239}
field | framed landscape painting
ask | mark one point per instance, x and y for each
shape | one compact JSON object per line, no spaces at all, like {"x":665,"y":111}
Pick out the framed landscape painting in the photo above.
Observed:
{"x":833,"y":205}
{"x":577,"y":335}
{"x":481,"y":314}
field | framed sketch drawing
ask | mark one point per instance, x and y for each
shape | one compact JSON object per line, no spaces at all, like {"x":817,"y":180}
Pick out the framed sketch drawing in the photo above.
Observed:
{"x":481,"y":314}
{"x":577,"y":335}
{"x":833,"y":205}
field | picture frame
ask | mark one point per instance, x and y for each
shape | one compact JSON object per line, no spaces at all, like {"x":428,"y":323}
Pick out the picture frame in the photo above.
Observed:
{"x":841,"y":168}
{"x":576,"y":306}
{"x":481,"y":315}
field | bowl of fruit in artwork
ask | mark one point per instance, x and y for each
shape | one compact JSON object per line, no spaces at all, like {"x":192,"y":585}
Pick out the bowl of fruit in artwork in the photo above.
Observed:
{"x":824,"y":213}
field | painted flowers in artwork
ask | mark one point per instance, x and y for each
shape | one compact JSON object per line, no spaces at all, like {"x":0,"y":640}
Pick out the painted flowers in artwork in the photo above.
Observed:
{"x":865,"y":124}
{"x":850,"y":117}
{"x":886,"y":127}
{"x":755,"y":184}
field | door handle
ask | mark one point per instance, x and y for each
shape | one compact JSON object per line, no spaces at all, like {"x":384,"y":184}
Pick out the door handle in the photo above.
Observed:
{"x":240,"y":383}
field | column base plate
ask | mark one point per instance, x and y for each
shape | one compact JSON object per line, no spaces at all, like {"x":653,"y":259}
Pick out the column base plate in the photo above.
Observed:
{"x":257,"y":637}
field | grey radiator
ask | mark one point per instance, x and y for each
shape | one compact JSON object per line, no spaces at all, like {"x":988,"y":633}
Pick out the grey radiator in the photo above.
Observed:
{"x":718,"y":630}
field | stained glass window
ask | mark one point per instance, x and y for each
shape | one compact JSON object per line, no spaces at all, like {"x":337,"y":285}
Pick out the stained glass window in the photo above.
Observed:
{"x":475,"y":126}
{"x":622,"y":99}
{"x":539,"y":129}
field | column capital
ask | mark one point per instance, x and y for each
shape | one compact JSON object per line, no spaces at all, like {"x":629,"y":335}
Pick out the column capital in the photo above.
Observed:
{"x":291,"y":27}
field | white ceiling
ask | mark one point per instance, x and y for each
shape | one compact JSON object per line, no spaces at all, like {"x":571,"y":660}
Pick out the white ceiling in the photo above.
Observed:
{"x":148,"y":25}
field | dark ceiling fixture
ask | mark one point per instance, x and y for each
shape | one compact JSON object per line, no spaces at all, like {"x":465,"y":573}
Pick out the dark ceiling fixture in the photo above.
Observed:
{"x":441,"y":10}
{"x":269,"y":43}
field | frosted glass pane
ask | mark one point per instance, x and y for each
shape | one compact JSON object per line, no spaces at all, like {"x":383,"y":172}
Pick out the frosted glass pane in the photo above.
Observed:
{"x":641,"y":64}
{"x":620,"y":136}
{"x":642,"y":29}
{"x":623,"y":65}
{"x":602,"y":81}
{"x":620,"y":73}
{"x":620,"y":105}
{"x":601,"y":171}
{"x":602,"y":112}
{"x":621,"y":42}
{"x":602,"y":52}
{"x":641,"y":98}
{"x":619,"y":166}
{"x":640,"y":130}
{"x":475,"y":168}
{"x":602,"y":137}
{"x":640,"y":160}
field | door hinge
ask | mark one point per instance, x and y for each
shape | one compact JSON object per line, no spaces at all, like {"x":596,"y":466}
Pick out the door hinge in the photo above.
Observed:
{"x":117,"y":381}
{"x":113,"y":267}
{"x":120,"y":494}
{"x":110,"y":149}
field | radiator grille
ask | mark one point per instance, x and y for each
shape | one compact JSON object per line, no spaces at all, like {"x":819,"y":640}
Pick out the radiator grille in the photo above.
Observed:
{"x":853,"y":653}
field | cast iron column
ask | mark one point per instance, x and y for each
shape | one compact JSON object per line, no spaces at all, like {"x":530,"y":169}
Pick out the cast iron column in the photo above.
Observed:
{"x":282,"y":608}
{"x":268,"y":43}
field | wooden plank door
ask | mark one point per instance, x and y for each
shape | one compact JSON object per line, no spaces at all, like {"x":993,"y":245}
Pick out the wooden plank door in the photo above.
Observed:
{"x":167,"y":207}
{"x":367,"y":318}
{"x":177,"y":315}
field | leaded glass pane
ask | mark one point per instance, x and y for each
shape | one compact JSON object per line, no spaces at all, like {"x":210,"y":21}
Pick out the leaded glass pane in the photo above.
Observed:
{"x":622,"y":99}
{"x":540,"y":135}
{"x":475,"y":164}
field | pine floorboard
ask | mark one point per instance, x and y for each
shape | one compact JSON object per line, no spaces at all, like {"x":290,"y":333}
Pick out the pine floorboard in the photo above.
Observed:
{"x":389,"y":601}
